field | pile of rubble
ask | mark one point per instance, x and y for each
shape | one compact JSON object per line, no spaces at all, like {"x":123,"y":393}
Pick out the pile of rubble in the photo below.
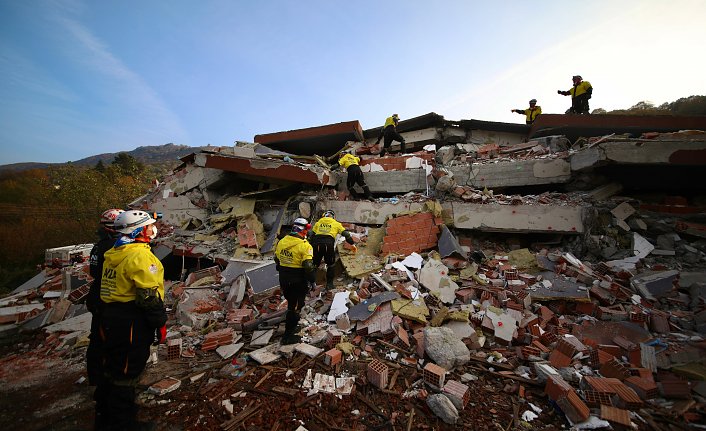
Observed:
{"x":451,"y":315}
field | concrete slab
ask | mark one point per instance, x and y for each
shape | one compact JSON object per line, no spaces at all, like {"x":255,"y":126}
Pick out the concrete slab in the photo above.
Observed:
{"x":78,"y":323}
{"x":361,"y":212}
{"x":263,"y":277}
{"x":266,"y":354}
{"x":560,"y":289}
{"x":308,"y":350}
{"x":34,"y":282}
{"x":178,"y":210}
{"x":392,"y":181}
{"x":366,"y":308}
{"x":261,"y":337}
{"x":513,"y":173}
{"x":516,"y":218}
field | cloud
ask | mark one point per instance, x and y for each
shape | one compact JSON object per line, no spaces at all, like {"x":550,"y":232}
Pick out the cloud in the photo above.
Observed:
{"x":138,"y":100}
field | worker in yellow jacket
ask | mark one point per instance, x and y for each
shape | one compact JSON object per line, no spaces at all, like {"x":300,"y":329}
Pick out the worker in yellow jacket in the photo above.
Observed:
{"x":133,"y":317}
{"x":297,"y":273}
{"x":355,"y":176}
{"x":530,"y":113}
{"x":323,"y":238}
{"x":389,"y":132}
{"x":580,"y":93}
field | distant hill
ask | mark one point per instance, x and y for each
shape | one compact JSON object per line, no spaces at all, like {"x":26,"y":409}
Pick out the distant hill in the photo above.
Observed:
{"x":149,"y":155}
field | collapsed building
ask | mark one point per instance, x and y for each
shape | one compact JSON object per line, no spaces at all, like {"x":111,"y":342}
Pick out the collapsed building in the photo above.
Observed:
{"x":561,"y":264}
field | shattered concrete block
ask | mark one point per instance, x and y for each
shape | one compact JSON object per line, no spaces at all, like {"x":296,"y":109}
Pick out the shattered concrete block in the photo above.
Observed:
{"x":443,"y":408}
{"x":444,"y":348}
{"x":308,"y":350}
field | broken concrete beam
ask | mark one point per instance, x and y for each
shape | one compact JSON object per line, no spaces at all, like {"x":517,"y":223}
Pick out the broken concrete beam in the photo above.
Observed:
{"x":361,"y":212}
{"x":516,"y":218}
{"x":267,"y":170}
{"x":514,"y":173}
{"x":643,"y":152}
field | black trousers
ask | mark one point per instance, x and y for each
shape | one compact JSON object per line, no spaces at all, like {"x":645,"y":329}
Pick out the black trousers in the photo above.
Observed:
{"x":391,"y":135}
{"x":126,"y":340}
{"x":355,"y":176}
{"x":325,"y":248}
{"x":579,"y":104}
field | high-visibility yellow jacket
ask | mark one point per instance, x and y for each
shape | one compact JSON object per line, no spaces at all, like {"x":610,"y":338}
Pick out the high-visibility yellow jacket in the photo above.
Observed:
{"x":532,"y":114}
{"x":347,"y":160}
{"x":579,"y":89}
{"x":328,"y":226}
{"x":389,"y":121}
{"x":128,"y":268}
{"x":292,"y":251}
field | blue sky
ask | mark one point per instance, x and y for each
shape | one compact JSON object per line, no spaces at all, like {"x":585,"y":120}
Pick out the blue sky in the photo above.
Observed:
{"x":80,"y":78}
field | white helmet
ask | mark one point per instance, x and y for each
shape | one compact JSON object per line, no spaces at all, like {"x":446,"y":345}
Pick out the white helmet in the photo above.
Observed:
{"x":130,"y":220}
{"x":329,"y":213}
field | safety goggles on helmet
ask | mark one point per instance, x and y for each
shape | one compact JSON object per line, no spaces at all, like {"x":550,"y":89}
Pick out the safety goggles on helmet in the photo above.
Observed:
{"x":329,"y":213}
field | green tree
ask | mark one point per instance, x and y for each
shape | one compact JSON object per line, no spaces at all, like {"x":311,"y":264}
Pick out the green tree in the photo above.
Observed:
{"x":128,"y":165}
{"x":100,"y":166}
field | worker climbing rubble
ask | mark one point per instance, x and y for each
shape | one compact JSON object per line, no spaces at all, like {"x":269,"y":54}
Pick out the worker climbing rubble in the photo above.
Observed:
{"x":323,"y":238}
{"x":390,"y":134}
{"x":297,"y":273}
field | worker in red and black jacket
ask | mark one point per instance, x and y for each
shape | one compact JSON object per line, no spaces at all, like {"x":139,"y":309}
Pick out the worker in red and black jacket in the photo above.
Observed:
{"x":94,"y":364}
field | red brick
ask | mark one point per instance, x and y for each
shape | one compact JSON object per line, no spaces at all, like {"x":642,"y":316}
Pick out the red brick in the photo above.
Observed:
{"x":377,"y":373}
{"x":458,"y":390}
{"x":556,"y":387}
{"x":614,"y":368}
{"x":616,"y":415}
{"x":559,"y":360}
{"x":573,"y":407}
{"x":434,"y":375}
{"x":333,"y":357}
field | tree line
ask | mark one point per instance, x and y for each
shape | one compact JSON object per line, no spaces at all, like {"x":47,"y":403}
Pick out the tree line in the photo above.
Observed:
{"x":58,"y":206}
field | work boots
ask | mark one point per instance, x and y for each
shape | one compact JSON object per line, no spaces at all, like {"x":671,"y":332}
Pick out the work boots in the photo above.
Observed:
{"x":330,"y":275}
{"x":368,"y":195}
{"x":290,"y":328}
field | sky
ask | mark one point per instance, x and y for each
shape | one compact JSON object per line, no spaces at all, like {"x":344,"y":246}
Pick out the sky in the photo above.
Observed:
{"x":79,"y":78}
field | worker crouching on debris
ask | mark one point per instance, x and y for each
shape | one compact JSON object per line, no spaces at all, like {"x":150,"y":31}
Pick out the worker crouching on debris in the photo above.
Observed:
{"x":294,"y":260}
{"x":389,"y":132}
{"x":355,"y":175}
{"x":132,"y":289}
{"x":323,"y":239}
{"x":530,"y":113}
{"x":580,"y":93}
{"x":94,"y":364}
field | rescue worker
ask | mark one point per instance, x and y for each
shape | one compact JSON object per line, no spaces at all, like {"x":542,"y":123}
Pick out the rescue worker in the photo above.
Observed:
{"x":294,"y":262}
{"x":389,"y":132}
{"x":323,"y":239}
{"x":132,"y":289}
{"x":355,"y":175}
{"x":531,"y":113}
{"x":580,"y":93}
{"x":94,"y":366}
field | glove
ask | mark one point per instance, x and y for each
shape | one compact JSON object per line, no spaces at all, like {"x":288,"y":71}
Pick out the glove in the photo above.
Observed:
{"x":160,"y":335}
{"x":312,"y":285}
{"x":354,"y":249}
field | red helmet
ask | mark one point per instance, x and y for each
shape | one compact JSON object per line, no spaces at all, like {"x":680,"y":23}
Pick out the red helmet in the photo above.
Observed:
{"x":108,"y":217}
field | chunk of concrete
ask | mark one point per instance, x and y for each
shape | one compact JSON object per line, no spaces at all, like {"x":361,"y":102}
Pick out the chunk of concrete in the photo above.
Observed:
{"x":445,"y":348}
{"x":229,"y":350}
{"x":655,"y":284}
{"x":443,"y":408}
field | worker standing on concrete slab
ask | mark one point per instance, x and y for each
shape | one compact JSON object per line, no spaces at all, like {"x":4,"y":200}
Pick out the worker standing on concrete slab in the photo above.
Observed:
{"x":389,"y":132}
{"x":94,"y":366}
{"x":580,"y":93}
{"x":323,"y":239}
{"x":294,"y":259}
{"x":355,"y":175}
{"x":531,"y":113}
{"x":133,"y":318}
